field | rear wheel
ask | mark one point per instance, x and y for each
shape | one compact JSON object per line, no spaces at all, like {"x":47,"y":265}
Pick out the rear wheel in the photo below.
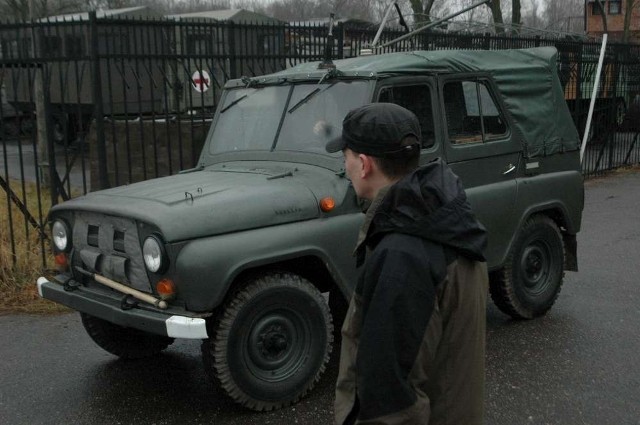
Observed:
{"x":271,"y":343}
{"x":126,"y":343}
{"x":531,"y":279}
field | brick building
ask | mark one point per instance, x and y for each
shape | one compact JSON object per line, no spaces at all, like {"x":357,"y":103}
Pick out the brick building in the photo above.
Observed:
{"x":615,"y":13}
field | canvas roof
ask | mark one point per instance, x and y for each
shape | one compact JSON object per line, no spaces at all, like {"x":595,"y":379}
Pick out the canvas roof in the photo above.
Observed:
{"x":526,"y":78}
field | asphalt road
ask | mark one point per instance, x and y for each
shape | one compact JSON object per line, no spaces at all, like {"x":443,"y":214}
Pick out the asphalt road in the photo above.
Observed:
{"x":577,"y":365}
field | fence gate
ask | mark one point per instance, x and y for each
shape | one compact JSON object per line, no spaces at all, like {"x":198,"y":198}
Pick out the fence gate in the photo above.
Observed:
{"x":96,"y":103}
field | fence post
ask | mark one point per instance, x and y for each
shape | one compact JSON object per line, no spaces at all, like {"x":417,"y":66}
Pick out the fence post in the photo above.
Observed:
{"x":96,"y":82}
{"x":577,"y":105}
{"x":340,"y":40}
{"x":231,"y":37}
{"x":41,"y":92}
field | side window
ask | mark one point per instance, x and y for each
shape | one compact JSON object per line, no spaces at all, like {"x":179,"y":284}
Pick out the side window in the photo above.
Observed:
{"x":417,"y":99}
{"x":472,"y":114}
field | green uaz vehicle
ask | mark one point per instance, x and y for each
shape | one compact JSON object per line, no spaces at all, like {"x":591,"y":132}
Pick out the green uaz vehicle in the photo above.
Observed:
{"x":246,"y":251}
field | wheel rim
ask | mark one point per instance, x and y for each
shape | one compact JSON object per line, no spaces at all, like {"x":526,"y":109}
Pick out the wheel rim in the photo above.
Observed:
{"x":277,"y":345}
{"x":536,"y":268}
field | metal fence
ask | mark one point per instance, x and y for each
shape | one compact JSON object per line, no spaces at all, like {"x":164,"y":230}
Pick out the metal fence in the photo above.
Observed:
{"x":94,"y":103}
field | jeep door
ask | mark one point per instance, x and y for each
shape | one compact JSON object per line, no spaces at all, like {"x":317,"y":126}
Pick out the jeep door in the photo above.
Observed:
{"x":419,"y":95}
{"x":482,"y":148}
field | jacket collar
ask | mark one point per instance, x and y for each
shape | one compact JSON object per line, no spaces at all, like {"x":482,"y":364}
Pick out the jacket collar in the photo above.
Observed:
{"x":359,"y":251}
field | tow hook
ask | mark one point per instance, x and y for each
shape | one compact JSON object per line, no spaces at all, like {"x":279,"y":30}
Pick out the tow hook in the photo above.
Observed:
{"x":128,"y":302}
{"x":71,"y":285}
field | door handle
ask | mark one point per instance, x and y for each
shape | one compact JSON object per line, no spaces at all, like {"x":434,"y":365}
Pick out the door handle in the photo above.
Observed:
{"x":509,"y":169}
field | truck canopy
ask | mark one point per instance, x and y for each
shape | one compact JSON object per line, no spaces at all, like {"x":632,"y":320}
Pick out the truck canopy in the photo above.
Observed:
{"x":526,"y":78}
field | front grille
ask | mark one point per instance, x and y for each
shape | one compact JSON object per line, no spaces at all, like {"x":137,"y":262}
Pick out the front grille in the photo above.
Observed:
{"x":110,"y":246}
{"x":118,"y":241}
{"x":93,"y":235}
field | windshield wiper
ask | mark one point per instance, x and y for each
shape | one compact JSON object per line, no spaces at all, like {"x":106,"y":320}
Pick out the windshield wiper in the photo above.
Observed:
{"x":303,"y":100}
{"x":244,"y":96}
{"x":309,"y":96}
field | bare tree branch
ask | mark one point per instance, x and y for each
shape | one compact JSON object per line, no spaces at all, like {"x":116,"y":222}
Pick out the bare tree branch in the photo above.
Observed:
{"x":603,"y":14}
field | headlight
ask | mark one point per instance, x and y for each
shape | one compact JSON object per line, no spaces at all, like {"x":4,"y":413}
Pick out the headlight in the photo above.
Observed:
{"x":61,"y":235}
{"x":153,"y":253}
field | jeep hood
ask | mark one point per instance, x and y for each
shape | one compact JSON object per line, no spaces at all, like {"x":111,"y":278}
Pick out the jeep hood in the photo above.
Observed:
{"x":208,"y":202}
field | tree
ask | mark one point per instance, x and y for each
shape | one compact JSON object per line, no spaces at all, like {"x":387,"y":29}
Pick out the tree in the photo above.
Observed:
{"x":24,"y":10}
{"x":563,"y":15}
{"x":421,"y":11}
{"x":496,"y":13}
{"x":603,"y":14}
{"x":516,"y":15}
{"x":532,"y":16}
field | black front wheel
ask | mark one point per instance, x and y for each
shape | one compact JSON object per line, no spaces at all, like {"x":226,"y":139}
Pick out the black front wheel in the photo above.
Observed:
{"x":126,"y":343}
{"x":271,"y":343}
{"x":531,"y":279}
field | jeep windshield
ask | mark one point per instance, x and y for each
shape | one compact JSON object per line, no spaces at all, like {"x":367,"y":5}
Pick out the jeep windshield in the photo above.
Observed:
{"x":300,"y":117}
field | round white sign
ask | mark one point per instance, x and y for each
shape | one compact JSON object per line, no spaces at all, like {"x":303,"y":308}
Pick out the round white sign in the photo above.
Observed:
{"x":200,"y":81}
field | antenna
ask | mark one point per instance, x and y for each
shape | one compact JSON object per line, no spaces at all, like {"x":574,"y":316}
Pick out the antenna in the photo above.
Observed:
{"x":327,"y":63}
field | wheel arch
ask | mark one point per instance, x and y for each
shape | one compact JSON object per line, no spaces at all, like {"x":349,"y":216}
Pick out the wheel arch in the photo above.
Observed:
{"x":557,"y":212}
{"x":312,"y":265}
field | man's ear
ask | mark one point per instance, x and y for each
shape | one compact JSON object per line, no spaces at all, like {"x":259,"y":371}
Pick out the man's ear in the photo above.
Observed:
{"x":367,"y":165}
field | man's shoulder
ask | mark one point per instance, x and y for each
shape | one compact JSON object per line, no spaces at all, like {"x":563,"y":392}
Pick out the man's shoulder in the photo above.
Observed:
{"x":411,"y":245}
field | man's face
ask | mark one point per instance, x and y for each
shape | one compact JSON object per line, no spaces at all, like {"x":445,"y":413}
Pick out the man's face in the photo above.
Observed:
{"x":353,"y":167}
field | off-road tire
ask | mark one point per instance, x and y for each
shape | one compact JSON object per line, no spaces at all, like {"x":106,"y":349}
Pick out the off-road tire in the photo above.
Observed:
{"x":126,"y":343}
{"x":271,"y":343}
{"x":531,"y":279}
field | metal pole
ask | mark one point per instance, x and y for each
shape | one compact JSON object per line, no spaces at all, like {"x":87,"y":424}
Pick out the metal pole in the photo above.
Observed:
{"x":103,"y":177}
{"x":382,"y":24}
{"x":594,"y":93}
{"x":434,"y":23}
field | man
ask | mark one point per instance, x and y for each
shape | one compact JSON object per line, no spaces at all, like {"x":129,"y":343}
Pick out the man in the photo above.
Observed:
{"x":413,"y":340}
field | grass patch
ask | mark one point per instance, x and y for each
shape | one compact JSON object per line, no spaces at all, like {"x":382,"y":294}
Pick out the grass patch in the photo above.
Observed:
{"x":18,"y":273}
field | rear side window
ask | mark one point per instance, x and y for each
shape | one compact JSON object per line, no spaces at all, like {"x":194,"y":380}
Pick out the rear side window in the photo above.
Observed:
{"x":472,"y":114}
{"x":417,"y":99}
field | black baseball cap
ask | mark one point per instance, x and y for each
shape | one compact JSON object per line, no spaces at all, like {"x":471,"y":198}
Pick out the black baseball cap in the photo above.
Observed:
{"x":377,"y":129}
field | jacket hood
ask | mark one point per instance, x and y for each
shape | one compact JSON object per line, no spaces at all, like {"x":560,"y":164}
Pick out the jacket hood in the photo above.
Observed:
{"x":431,"y":203}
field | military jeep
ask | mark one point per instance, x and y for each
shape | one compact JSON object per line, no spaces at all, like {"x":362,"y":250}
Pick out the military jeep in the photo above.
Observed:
{"x":247,"y":251}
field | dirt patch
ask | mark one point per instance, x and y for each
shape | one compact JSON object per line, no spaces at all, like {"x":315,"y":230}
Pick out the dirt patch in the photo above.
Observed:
{"x":593,"y":181}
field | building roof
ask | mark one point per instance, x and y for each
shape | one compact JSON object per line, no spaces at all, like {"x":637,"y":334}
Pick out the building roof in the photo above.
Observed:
{"x":232,"y":15}
{"x":325,"y":22}
{"x":108,"y":13}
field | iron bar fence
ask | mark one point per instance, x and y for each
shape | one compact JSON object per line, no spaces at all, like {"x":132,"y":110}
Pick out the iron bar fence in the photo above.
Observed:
{"x":93,"y":103}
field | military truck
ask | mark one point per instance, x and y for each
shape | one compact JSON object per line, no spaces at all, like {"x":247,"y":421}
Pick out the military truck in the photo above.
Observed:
{"x":247,"y":251}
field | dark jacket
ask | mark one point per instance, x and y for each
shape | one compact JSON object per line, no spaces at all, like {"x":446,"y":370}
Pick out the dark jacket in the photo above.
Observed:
{"x":414,"y":335}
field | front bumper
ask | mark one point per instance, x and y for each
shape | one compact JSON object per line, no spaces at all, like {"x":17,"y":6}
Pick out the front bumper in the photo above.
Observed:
{"x":108,"y":306}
